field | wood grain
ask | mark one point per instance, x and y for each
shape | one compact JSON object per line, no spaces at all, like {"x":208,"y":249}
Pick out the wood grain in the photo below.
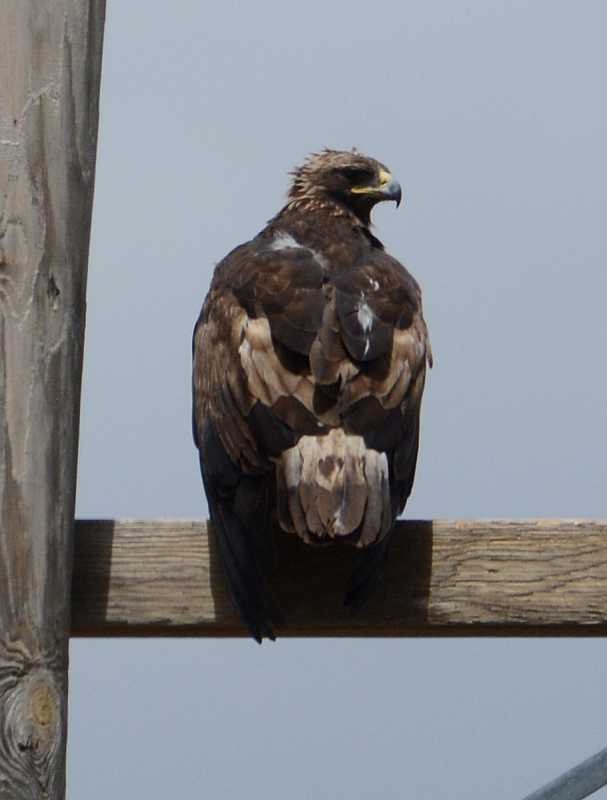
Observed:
{"x":50,"y":59}
{"x":474,"y":578}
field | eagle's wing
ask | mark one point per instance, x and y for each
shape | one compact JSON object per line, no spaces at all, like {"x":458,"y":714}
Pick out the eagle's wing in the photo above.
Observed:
{"x":244,"y":414}
{"x":285,"y":352}
{"x":382,"y":327}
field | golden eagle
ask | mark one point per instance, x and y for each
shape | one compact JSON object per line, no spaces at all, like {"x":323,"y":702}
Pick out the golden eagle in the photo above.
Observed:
{"x":309,"y":363}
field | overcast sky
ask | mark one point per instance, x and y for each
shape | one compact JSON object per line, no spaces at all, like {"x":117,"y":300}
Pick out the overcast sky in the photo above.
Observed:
{"x":492,"y":116}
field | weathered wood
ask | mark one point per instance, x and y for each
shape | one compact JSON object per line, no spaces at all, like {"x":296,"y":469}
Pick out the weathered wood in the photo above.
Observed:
{"x":443,"y":578}
{"x":50,"y":60}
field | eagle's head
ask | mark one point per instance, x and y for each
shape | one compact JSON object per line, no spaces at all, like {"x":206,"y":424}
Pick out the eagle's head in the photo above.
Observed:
{"x":345,"y":177}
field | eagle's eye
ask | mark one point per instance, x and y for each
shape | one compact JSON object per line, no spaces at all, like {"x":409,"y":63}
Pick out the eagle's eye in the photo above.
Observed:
{"x":357,"y":176}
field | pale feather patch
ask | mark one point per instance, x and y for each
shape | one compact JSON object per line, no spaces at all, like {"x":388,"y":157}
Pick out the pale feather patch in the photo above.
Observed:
{"x":284,"y":241}
{"x":338,"y":485}
{"x":365,"y":314}
{"x":366,"y":318}
{"x":378,"y":516}
{"x":291,"y":463}
{"x":405,"y":360}
{"x":267,"y":379}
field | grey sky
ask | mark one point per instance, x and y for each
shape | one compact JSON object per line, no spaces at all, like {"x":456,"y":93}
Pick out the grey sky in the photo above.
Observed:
{"x":492,"y":116}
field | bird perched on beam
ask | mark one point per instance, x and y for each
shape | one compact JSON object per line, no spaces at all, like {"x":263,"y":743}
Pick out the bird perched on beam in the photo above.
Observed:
{"x":310,"y":356}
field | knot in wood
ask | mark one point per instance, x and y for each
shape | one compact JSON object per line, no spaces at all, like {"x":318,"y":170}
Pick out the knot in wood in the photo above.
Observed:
{"x":43,"y":705}
{"x":31,"y":721}
{"x":36,"y":711}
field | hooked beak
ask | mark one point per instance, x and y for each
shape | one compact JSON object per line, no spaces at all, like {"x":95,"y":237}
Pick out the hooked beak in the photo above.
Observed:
{"x":389,"y":187}
{"x":393,"y":192}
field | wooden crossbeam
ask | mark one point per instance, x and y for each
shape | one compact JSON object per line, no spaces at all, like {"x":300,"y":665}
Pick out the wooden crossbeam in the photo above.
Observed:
{"x":471,"y":578}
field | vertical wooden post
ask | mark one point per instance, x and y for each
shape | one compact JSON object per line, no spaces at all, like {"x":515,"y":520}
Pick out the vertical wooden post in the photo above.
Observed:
{"x":50,"y":64}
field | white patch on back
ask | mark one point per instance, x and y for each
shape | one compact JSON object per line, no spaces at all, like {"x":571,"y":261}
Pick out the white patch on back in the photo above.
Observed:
{"x":284,"y":241}
{"x":374,"y":284}
{"x":365,"y":317}
{"x":365,"y":314}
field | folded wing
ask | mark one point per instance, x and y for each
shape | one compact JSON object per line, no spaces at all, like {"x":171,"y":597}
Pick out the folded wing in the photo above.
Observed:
{"x":307,"y":388}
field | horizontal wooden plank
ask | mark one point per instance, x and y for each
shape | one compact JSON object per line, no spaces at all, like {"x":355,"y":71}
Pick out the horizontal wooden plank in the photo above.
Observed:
{"x":472,"y":578}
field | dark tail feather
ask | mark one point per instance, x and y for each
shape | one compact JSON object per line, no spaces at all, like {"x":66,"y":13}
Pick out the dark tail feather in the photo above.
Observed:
{"x":366,"y":575}
{"x":239,"y":508}
{"x":244,"y":575}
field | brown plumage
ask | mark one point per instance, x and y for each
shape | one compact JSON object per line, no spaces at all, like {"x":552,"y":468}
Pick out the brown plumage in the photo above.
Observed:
{"x":310,"y":356}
